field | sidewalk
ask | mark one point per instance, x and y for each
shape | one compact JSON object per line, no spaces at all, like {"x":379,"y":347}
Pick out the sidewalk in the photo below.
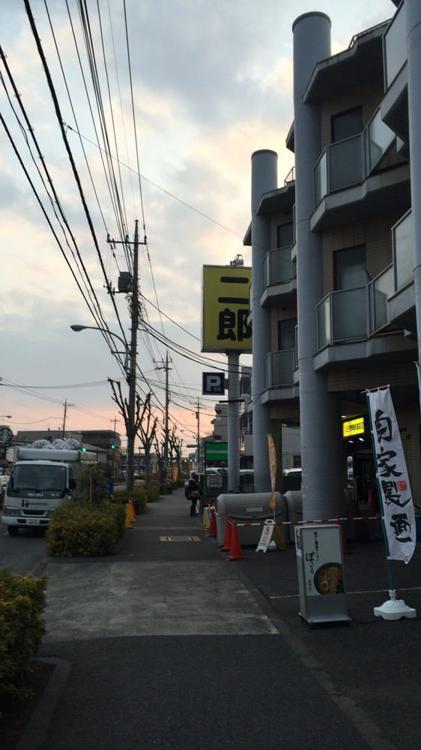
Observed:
{"x":173,"y":647}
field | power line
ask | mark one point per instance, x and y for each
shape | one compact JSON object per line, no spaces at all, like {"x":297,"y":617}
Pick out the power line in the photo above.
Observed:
{"x":162,"y":189}
{"x":69,"y":152}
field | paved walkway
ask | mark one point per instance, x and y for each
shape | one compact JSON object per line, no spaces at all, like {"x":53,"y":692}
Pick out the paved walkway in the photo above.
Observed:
{"x":173,"y":647}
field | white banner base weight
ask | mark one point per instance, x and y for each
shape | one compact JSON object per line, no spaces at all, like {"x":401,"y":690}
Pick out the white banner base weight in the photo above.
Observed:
{"x":394,"y":609}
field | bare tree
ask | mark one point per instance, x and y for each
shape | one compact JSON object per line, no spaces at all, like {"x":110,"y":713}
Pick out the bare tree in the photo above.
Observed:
{"x":175,"y":444}
{"x":123,"y":406}
{"x":147,"y":433}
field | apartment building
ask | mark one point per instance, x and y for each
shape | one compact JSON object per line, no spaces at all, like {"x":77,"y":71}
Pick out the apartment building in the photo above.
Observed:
{"x":334,"y":293}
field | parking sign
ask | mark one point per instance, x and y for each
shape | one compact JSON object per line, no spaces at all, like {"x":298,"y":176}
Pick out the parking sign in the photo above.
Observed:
{"x":213,"y":383}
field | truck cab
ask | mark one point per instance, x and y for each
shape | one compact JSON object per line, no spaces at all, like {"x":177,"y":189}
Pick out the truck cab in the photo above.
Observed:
{"x":40,"y":481}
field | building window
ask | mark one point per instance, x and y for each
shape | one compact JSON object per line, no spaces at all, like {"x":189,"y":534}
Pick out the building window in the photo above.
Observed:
{"x":285,"y":235}
{"x":350,"y":268}
{"x":346,"y":124}
{"x":286,"y":334}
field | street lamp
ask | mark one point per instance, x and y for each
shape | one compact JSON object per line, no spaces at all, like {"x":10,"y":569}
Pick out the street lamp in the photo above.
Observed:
{"x":76,"y":327}
{"x":130,"y":355}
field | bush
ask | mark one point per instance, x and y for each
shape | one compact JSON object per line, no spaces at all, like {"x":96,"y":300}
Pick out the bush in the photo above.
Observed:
{"x":91,"y":484}
{"x":153,"y":491}
{"x":79,"y":529}
{"x":22,"y":601}
{"x":139,"y":494}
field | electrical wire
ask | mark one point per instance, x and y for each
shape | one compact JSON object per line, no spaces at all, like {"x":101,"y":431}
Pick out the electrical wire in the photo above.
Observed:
{"x":69,"y":152}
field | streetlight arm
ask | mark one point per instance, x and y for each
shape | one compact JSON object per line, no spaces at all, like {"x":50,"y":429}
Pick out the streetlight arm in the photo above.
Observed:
{"x":76,"y":327}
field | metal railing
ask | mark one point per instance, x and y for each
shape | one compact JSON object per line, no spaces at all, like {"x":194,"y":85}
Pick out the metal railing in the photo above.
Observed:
{"x":403,"y":259}
{"x":342,"y":316}
{"x":379,"y":291}
{"x":290,"y":176}
{"x":279,"y":368}
{"x":394,"y":47}
{"x":350,"y":161}
{"x":279,"y":268}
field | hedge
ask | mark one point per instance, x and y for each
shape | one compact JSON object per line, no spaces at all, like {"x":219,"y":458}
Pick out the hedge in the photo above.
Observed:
{"x":139,"y":494}
{"x":22,"y":602}
{"x":80,"y":529}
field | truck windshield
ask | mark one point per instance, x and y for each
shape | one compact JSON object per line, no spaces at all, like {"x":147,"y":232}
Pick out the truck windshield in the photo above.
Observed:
{"x":38,"y":479}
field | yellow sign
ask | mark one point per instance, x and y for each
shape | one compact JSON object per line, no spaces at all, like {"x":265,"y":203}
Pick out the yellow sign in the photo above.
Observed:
{"x":226,"y":306}
{"x":353,"y":427}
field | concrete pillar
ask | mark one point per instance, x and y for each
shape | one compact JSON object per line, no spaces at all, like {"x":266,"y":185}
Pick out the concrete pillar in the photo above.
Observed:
{"x":233,"y":422}
{"x":263,"y":179}
{"x":321,"y":441}
{"x":413,"y":30}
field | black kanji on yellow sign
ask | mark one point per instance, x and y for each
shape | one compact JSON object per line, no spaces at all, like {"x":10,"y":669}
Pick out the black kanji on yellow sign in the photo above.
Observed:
{"x":226,"y":306}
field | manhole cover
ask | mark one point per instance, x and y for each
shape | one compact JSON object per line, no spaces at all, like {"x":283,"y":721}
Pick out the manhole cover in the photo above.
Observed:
{"x":179,"y":539}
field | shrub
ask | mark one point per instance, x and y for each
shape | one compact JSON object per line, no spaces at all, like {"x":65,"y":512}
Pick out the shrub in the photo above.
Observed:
{"x":153,"y":491}
{"x":91,"y":484}
{"x":139,"y":494}
{"x":79,"y":529}
{"x":22,"y":601}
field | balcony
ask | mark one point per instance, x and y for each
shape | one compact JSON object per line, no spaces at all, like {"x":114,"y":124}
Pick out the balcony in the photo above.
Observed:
{"x":342,"y":316}
{"x":280,"y":272}
{"x":279,"y":368}
{"x":394,"y":47}
{"x":359,"y":165}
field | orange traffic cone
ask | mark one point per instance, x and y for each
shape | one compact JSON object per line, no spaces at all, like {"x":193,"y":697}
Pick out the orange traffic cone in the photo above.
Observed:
{"x":227,"y":536}
{"x":235,"y":552}
{"x":128,"y":518}
{"x":212,"y":525}
{"x":132,"y":508}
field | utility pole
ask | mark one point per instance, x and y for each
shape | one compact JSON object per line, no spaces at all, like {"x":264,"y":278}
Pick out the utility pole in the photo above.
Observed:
{"x":66,"y":405}
{"x":165,"y":366}
{"x":131,"y":350}
{"x":131,"y":378}
{"x":198,"y":434}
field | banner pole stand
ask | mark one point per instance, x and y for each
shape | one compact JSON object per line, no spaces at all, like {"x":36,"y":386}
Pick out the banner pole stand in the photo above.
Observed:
{"x":393,"y":608}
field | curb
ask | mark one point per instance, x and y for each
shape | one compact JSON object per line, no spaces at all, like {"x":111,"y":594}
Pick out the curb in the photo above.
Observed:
{"x":36,"y":730}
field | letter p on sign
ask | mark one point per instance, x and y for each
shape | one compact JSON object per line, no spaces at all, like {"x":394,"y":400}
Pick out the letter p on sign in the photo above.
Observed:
{"x":213,"y":383}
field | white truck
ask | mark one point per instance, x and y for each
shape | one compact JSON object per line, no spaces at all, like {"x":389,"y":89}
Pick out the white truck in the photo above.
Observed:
{"x":41,"y":479}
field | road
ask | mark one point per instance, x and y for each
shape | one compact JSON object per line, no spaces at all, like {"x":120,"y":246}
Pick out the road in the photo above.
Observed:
{"x":25,"y":553}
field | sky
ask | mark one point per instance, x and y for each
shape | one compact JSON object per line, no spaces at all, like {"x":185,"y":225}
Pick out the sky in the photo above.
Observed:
{"x":212,"y":83}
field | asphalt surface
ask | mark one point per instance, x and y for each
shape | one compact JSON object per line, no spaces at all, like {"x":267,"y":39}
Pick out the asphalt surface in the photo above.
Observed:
{"x":171,"y":646}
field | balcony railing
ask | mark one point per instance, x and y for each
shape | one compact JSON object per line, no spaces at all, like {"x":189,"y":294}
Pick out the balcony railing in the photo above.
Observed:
{"x":380,"y":289}
{"x":394,"y":47}
{"x":279,"y":368}
{"x":379,"y":139}
{"x":279,"y":268}
{"x":343,"y":316}
{"x":350,"y":161}
{"x":403,"y":258}
{"x":290,"y":177}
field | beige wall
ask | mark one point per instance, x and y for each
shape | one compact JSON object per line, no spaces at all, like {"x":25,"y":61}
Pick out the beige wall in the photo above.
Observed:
{"x":367,"y":97}
{"x":367,"y":375}
{"x":279,"y":313}
{"x":374,"y":233}
{"x":277,"y":219}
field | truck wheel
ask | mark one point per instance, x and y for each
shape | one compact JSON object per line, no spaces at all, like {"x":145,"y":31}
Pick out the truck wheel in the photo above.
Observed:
{"x":13,"y":530}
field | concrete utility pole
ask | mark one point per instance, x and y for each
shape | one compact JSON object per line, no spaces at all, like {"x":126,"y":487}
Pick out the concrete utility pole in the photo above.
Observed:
{"x":198,"y":434}
{"x":165,"y":366}
{"x":66,"y":406}
{"x":233,"y":422}
{"x":131,"y":378}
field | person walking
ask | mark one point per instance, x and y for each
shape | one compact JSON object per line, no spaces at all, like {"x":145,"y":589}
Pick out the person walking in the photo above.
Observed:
{"x":193,"y":492}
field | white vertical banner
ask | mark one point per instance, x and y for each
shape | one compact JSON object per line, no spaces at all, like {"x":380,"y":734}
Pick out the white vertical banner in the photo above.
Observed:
{"x":392,"y":476}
